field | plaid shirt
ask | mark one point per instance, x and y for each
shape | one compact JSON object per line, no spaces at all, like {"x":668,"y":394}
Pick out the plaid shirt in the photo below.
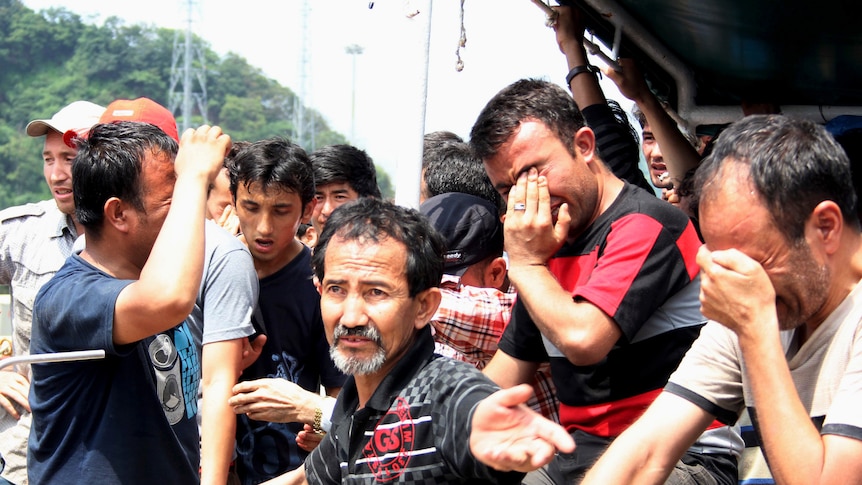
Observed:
{"x":35,"y":240}
{"x":468,"y":324}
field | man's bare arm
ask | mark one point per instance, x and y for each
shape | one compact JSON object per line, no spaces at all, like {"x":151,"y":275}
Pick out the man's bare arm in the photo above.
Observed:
{"x":295,"y":477}
{"x":678,"y":153}
{"x":220,"y":369}
{"x":165,"y":293}
{"x":796,"y":451}
{"x":507,"y":371}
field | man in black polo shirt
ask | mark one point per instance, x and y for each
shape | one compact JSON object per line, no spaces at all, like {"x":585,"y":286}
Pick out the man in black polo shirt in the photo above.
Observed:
{"x":406,"y":414}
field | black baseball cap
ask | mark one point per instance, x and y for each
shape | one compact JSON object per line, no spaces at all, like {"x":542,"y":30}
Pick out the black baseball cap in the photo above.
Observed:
{"x":470,"y":226}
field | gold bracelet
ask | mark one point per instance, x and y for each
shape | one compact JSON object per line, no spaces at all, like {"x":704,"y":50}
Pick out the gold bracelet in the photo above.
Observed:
{"x":318,"y":417}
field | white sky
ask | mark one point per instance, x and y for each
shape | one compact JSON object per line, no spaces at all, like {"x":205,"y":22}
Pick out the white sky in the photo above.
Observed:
{"x":506,"y":40}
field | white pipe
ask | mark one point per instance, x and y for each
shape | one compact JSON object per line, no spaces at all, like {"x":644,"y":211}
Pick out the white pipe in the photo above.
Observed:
{"x":681,"y":75}
{"x":408,"y":164}
{"x":54,"y":357}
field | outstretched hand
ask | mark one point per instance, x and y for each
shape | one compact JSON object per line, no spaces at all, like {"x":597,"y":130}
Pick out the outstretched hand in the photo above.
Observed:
{"x":507,"y":435}
{"x":275,"y":400}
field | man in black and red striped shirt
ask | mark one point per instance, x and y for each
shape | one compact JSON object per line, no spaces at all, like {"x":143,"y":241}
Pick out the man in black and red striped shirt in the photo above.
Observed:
{"x":606,"y":277}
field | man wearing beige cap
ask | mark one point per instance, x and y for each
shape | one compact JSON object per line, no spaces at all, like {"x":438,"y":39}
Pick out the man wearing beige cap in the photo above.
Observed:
{"x":35,"y":240}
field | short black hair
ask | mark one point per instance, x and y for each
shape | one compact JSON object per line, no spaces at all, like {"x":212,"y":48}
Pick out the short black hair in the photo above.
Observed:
{"x":109,"y":164}
{"x":274,"y":162}
{"x":794,"y":165}
{"x":452,"y":167}
{"x":526,"y":99}
{"x":335,"y":164}
{"x":370,"y":220}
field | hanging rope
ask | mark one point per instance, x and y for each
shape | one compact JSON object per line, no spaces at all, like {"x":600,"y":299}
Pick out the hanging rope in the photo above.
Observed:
{"x":410,"y":10}
{"x":462,"y":42}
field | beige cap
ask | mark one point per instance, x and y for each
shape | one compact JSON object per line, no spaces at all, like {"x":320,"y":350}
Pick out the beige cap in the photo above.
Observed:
{"x":79,"y":117}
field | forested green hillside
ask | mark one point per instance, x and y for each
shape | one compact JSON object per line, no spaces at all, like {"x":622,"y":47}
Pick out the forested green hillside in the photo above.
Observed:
{"x":49,"y":59}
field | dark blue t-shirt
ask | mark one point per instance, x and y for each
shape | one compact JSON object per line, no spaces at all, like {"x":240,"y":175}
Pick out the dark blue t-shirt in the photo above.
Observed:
{"x":130,"y":418}
{"x":297,"y":350}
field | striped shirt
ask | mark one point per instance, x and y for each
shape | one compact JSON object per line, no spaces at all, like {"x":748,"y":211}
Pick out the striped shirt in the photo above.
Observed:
{"x":414,"y":429}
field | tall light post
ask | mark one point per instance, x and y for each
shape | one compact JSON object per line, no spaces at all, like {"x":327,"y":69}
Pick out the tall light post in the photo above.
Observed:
{"x":353,"y":50}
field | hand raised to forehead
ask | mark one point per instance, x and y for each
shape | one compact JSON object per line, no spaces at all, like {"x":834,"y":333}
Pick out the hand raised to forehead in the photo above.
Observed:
{"x":735,"y":290}
{"x":530,"y":233}
{"x":202,"y":152}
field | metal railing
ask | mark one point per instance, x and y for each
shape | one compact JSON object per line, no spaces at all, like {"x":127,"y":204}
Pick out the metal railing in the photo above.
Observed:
{"x":53,"y":357}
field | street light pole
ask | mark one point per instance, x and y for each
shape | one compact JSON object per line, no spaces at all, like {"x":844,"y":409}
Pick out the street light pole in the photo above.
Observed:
{"x":353,"y":50}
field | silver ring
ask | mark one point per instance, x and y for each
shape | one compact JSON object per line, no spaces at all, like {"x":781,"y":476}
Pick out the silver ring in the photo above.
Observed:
{"x":520,"y":206}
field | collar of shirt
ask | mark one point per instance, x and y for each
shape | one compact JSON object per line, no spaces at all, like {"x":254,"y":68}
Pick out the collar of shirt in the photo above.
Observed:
{"x":394,"y":382}
{"x":65,"y":224}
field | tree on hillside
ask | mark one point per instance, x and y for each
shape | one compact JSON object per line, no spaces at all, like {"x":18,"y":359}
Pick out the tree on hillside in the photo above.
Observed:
{"x":52,"y":58}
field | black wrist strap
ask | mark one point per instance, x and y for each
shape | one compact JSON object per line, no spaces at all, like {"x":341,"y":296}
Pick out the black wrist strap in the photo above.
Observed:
{"x":580,"y":69}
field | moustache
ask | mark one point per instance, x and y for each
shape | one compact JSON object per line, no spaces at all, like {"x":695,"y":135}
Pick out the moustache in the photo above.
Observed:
{"x":370,"y":333}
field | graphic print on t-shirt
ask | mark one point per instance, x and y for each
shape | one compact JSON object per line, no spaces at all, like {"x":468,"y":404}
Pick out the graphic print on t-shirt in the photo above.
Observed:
{"x":389,"y":450}
{"x":176,"y":368}
{"x":168,"y":384}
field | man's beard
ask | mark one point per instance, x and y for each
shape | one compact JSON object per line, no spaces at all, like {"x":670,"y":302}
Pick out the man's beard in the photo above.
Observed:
{"x":350,"y":364}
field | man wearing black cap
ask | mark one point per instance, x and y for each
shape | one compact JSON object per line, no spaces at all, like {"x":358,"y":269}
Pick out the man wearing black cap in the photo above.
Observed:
{"x":477,"y":294}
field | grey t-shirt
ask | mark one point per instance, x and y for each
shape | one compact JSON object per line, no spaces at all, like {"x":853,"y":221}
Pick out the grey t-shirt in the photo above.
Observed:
{"x":826,"y":371}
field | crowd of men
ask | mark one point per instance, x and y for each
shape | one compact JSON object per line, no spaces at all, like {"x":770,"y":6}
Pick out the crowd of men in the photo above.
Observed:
{"x":542,"y":318}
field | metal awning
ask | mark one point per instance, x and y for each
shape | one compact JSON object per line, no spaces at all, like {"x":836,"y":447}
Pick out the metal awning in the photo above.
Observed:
{"x":708,"y":56}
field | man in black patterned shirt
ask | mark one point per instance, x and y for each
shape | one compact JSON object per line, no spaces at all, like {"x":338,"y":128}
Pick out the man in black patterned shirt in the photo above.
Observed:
{"x":406,"y":415}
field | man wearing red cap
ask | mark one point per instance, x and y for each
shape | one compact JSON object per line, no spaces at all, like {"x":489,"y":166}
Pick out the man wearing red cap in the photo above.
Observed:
{"x":35,"y":240}
{"x":221,"y":318}
{"x":130,"y":418}
{"x":144,"y":110}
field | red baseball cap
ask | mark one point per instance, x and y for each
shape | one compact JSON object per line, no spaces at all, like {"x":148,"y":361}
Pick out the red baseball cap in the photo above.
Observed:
{"x":144,"y":110}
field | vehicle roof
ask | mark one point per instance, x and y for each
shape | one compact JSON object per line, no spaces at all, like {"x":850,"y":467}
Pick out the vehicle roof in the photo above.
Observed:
{"x":804,"y":54}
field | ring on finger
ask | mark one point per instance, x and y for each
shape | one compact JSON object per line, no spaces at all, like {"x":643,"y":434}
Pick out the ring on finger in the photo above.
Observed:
{"x":519,"y":206}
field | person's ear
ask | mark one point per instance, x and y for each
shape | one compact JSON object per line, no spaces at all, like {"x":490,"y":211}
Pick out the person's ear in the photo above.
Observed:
{"x":310,"y":237}
{"x":308,"y":210}
{"x":824,"y":226}
{"x":428,"y":301}
{"x":116,"y":213}
{"x":585,"y":143}
{"x":495,"y":273}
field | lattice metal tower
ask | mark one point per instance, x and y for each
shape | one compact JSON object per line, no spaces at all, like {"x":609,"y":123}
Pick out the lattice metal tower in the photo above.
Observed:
{"x":185,"y":54}
{"x":304,"y":122}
